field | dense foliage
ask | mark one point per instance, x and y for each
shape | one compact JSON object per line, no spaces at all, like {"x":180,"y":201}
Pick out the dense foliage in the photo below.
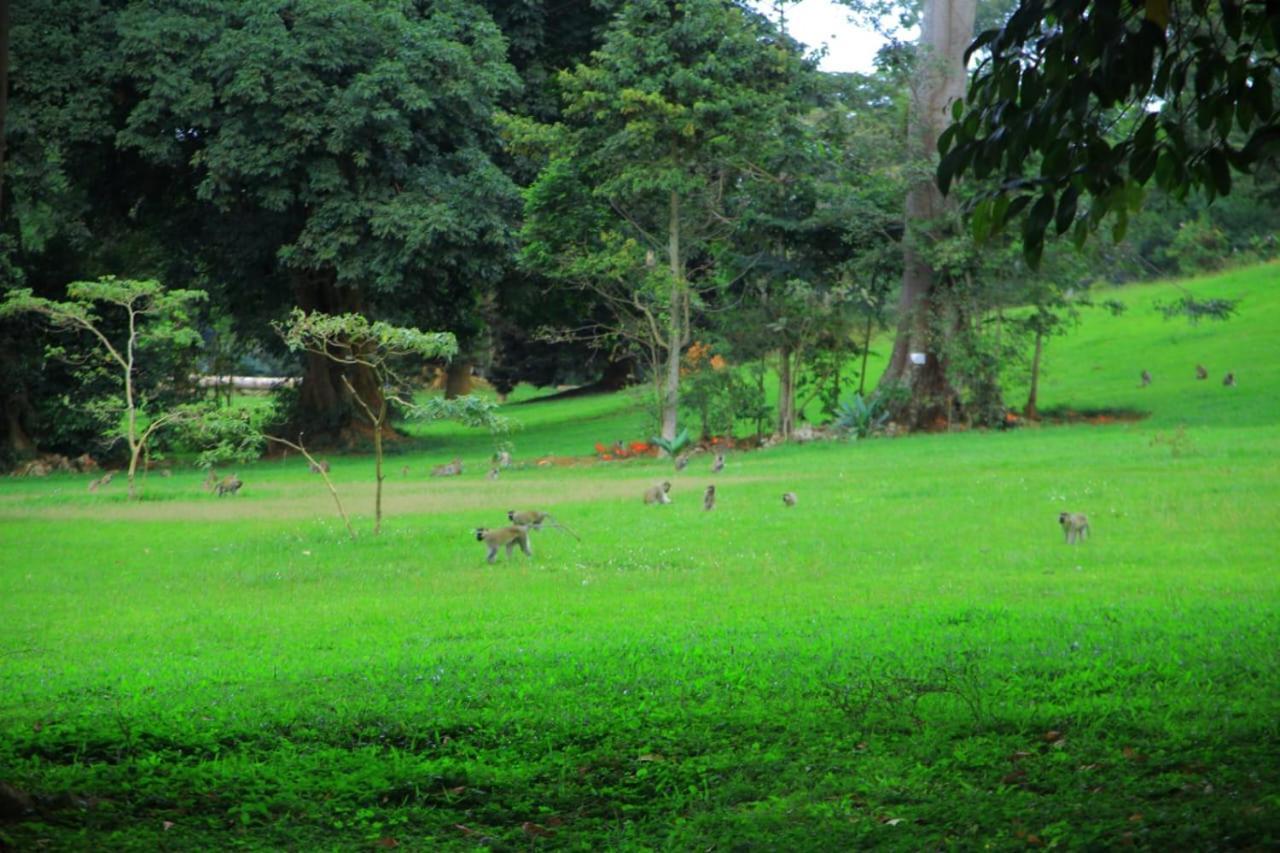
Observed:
{"x":368,"y":158}
{"x":1100,"y":97}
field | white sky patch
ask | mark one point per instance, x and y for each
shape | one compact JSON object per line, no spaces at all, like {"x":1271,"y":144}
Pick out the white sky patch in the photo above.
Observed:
{"x":824,"y":22}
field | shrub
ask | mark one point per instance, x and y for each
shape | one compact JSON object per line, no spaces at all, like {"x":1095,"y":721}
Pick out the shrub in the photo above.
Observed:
{"x":862,"y":417}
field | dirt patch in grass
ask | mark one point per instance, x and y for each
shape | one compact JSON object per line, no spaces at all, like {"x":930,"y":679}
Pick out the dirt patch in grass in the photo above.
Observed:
{"x":1096,"y":417}
{"x":281,"y":502}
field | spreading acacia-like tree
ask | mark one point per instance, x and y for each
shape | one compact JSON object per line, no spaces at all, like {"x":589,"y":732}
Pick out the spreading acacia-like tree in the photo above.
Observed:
{"x":351,"y":340}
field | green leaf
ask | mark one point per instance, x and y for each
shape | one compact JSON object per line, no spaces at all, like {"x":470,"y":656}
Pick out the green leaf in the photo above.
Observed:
{"x":945,"y":139}
{"x":984,"y":38}
{"x":1264,"y":140}
{"x":1066,"y":209}
{"x":1167,"y":170}
{"x":980,"y":221}
{"x":1039,"y":217}
{"x":951,"y":165}
{"x":1121,"y":226}
{"x":1221,"y":171}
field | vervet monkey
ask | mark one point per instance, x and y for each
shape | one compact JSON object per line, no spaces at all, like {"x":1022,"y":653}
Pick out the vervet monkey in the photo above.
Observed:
{"x":321,"y":467}
{"x":682,"y":461}
{"x":104,"y":480}
{"x":788,"y":498}
{"x":227,"y":485}
{"x":534,"y":519}
{"x":1201,"y":373}
{"x":718,"y":465}
{"x":503,"y":458}
{"x":404,"y":470}
{"x":1229,"y":380}
{"x":658,"y":494}
{"x":453,"y":469}
{"x":1075,"y":525}
{"x":511,"y":536}
{"x":492,"y":475}
{"x":709,"y":498}
{"x":1146,"y":379}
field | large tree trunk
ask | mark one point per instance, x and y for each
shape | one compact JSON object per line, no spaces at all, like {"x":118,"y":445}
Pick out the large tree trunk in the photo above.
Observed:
{"x":4,"y":91}
{"x":326,"y":411}
{"x":457,"y":378}
{"x":676,"y":330}
{"x":946,"y":31}
{"x":786,"y":394}
{"x":15,"y":404}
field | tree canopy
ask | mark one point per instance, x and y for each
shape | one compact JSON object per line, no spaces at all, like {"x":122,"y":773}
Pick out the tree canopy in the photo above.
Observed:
{"x":1079,"y":101}
{"x":660,"y":130}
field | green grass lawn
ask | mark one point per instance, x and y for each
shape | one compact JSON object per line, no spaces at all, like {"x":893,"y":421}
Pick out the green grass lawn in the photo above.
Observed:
{"x":911,"y":658}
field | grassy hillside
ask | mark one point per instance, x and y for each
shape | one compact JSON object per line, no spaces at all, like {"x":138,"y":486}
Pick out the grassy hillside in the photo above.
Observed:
{"x":911,"y":658}
{"x":1095,"y":367}
{"x":1098,"y":365}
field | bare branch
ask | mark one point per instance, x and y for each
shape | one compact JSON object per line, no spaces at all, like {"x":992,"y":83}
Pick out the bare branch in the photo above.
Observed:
{"x":316,"y":466}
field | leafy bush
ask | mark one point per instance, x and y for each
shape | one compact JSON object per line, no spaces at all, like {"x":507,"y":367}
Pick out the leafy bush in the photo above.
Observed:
{"x":1199,"y":246}
{"x":1196,"y":310}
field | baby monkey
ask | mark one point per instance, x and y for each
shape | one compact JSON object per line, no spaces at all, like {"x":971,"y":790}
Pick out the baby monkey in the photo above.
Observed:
{"x":718,"y":465}
{"x":321,"y":467}
{"x":709,"y":498}
{"x":682,"y":461}
{"x":534,"y":519}
{"x":1201,"y":373}
{"x":788,"y":499}
{"x":1146,"y":379}
{"x":658,"y":494}
{"x":1075,"y":525}
{"x":1229,"y":380}
{"x":516,"y":534}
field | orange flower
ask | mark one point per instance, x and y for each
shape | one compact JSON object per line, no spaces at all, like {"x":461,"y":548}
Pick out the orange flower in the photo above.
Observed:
{"x":717,"y":363}
{"x":607,"y":457}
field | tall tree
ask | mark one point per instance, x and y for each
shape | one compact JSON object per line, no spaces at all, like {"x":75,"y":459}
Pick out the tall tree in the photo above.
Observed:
{"x":668,"y":118}
{"x":358,"y":133}
{"x":946,"y":30}
{"x":812,"y":230}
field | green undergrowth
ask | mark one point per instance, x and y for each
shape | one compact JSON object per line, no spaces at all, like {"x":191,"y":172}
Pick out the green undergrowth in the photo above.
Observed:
{"x":911,"y":658}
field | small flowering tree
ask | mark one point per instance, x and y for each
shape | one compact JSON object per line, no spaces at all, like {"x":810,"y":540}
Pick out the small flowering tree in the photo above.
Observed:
{"x":352,"y":340}
{"x":713,"y":389}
